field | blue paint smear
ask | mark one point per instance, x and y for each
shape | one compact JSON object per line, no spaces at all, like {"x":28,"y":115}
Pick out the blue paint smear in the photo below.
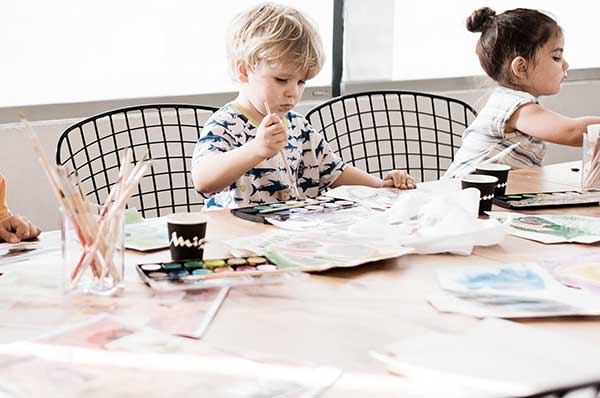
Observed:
{"x":505,"y":279}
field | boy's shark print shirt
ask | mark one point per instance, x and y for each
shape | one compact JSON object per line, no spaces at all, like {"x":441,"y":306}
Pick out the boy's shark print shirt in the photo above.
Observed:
{"x":312,"y":163}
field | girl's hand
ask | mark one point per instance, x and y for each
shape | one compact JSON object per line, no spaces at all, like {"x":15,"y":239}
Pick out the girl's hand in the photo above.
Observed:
{"x":15,"y":229}
{"x":271,"y":137}
{"x":399,"y":179}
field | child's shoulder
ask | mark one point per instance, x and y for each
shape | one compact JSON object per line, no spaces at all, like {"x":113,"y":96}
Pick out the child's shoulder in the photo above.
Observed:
{"x":228,"y":111}
{"x":509,"y":94}
{"x":227,"y":118}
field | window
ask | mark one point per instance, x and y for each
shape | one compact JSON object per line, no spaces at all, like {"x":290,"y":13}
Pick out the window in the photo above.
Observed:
{"x":428,"y":39}
{"x":65,"y":51}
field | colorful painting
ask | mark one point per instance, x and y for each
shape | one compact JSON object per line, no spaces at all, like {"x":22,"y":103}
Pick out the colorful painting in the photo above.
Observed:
{"x":509,"y":291}
{"x":504,"y":279}
{"x":576,"y":271}
{"x":316,"y":251}
{"x":552,"y":228}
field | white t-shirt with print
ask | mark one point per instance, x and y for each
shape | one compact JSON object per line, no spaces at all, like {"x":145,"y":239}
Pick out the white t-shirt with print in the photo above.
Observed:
{"x":312,"y":163}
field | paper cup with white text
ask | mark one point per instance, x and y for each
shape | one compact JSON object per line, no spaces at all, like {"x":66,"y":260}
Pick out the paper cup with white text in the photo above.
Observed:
{"x":500,"y":171}
{"x":486,"y":186}
{"x":187,"y":235}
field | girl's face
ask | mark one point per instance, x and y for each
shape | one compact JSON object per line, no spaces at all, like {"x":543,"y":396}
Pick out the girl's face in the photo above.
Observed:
{"x":549,"y":68}
{"x":278,"y":85}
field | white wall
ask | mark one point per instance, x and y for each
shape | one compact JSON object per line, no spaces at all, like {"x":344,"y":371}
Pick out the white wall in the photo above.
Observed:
{"x":29,"y":192}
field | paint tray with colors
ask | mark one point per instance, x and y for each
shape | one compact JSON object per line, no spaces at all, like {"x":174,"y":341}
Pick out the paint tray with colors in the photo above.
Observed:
{"x":546,"y":200}
{"x":201,"y":274}
{"x":284,"y":210}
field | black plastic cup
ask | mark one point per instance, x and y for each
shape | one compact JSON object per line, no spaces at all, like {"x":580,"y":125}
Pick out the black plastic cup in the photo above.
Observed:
{"x":486,"y":186}
{"x":187,"y":235}
{"x":500,"y":171}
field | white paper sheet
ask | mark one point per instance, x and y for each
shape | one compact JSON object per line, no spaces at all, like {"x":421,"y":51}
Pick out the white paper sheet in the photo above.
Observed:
{"x":496,"y":358}
{"x":107,"y":357}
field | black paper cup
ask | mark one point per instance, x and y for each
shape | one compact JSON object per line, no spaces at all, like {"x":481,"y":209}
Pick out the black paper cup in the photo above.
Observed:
{"x":486,"y":186}
{"x":187,"y":235}
{"x":500,"y":171}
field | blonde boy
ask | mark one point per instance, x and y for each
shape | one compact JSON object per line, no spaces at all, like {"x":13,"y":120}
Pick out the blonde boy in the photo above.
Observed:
{"x":273,"y":50}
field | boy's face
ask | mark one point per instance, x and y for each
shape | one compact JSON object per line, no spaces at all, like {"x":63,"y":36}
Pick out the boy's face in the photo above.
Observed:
{"x":279,"y":85}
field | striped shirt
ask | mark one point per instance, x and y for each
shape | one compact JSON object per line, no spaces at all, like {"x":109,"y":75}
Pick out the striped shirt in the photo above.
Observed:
{"x":486,"y":136}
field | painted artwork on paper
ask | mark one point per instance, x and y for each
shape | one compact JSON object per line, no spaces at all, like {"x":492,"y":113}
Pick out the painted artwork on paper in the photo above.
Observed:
{"x":552,"y":228}
{"x":576,"y":271}
{"x":503,"y":279}
{"x":509,"y":291}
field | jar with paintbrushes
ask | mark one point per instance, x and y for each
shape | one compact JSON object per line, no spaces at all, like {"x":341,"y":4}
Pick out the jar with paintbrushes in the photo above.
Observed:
{"x":590,"y":170}
{"x":92,"y":235}
{"x":92,"y":250}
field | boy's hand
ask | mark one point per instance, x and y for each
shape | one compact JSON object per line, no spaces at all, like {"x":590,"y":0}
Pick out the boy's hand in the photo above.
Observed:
{"x":399,"y":179}
{"x":15,"y":229}
{"x":271,"y":136}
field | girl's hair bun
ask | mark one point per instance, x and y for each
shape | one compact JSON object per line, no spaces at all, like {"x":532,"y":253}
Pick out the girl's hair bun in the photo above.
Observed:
{"x":480,"y":19}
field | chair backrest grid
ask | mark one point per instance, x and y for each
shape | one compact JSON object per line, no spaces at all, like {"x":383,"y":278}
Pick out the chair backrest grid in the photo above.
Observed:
{"x":419,"y":137}
{"x":390,"y":132}
{"x":436,"y":135}
{"x":426,"y":124}
{"x":185,"y":170}
{"x":167,"y":132}
{"x":404,"y":132}
{"x":165,"y":141}
{"x":128,"y":130}
{"x":375,"y":134}
{"x":89,"y":163}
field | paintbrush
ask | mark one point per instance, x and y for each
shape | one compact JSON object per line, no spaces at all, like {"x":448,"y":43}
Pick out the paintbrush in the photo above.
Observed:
{"x":500,"y":155}
{"x":286,"y":163}
{"x":593,"y":167}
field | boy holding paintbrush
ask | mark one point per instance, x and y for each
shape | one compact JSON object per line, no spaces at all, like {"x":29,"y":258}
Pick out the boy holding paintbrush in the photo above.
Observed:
{"x":256,"y":149}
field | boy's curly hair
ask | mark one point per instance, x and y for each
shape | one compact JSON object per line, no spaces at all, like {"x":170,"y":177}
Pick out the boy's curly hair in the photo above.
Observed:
{"x":270,"y":34}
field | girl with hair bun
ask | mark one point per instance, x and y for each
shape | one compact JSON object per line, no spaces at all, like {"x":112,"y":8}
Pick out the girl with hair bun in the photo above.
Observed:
{"x":523,"y":51}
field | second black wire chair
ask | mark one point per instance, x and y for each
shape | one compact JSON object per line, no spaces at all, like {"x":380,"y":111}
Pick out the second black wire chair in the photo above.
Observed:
{"x":166,"y":132}
{"x":379,"y":131}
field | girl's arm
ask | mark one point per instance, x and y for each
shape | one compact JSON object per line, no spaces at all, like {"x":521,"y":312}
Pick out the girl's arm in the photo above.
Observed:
{"x":215,"y":172}
{"x":548,"y":126}
{"x":355,"y":176}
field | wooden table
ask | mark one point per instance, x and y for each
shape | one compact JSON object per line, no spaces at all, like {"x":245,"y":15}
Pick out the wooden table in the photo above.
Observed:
{"x":335,"y":317}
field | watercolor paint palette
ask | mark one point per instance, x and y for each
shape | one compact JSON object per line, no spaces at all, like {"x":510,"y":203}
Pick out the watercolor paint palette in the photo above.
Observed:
{"x":282,"y":211}
{"x":546,"y":200}
{"x":200,"y":274}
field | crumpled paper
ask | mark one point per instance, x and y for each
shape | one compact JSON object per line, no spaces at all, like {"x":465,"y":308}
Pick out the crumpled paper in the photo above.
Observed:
{"x":434,"y":222}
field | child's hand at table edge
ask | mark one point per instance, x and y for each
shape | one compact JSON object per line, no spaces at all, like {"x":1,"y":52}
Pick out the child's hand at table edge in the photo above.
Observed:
{"x":399,"y":179}
{"x":14,"y":229}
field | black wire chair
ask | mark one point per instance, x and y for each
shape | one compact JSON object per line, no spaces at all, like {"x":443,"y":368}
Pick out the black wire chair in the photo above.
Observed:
{"x":92,"y":148}
{"x":584,"y":390}
{"x":379,"y":131}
